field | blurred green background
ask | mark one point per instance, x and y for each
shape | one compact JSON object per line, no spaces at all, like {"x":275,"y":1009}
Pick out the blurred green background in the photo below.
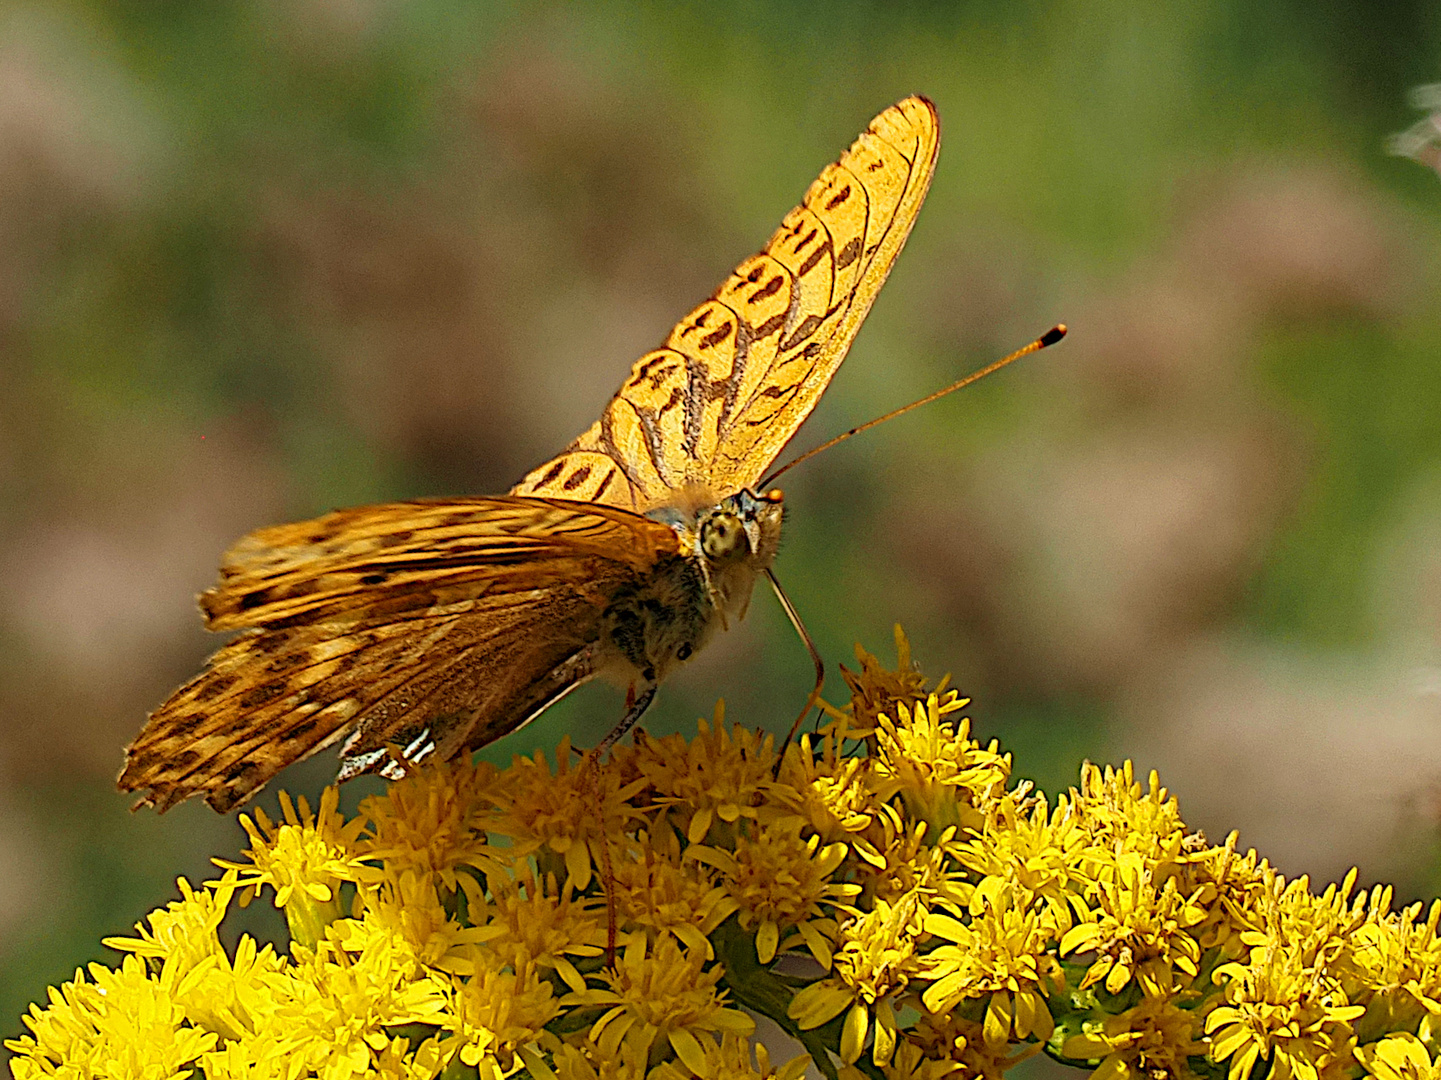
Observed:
{"x":260,"y":259}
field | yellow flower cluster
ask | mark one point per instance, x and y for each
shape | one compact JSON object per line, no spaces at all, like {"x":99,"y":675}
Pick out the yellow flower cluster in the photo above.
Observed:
{"x":884,"y":894}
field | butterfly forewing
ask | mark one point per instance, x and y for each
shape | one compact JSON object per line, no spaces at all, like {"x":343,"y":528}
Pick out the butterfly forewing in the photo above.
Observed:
{"x":453,"y":618}
{"x":740,"y":373}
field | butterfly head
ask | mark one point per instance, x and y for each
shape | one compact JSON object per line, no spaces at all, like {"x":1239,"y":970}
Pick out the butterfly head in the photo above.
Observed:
{"x":743,"y":528}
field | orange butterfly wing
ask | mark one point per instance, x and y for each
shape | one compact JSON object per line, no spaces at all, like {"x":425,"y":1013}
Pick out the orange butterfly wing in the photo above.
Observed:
{"x":738,"y":375}
{"x":450,"y":621}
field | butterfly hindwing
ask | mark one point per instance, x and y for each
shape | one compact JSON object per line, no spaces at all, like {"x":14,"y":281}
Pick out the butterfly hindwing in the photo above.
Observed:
{"x":455,"y":620}
{"x":738,"y":375}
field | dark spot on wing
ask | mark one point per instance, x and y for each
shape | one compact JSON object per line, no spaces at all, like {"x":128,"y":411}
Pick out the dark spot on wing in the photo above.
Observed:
{"x":215,"y":685}
{"x":182,"y":761}
{"x":286,"y":661}
{"x":604,"y":485}
{"x":671,"y":402}
{"x":179,"y":726}
{"x":770,"y":288}
{"x":644,"y":370}
{"x":662,"y":375}
{"x":303,"y":728}
{"x":262,"y":694}
{"x":769,"y":327}
{"x":241,"y":770}
{"x":715,"y":337}
{"x":806,"y":328}
{"x":814,"y":257}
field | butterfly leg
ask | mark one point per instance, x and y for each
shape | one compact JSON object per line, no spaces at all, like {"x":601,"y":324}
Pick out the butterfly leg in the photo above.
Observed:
{"x":636,"y":703}
{"x":635,"y":707}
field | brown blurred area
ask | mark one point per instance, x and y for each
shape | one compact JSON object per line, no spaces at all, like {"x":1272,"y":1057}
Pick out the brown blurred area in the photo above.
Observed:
{"x":267,"y":259}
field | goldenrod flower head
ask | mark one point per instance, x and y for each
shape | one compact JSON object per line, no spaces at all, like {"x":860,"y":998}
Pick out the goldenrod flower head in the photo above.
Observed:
{"x":662,"y":993}
{"x":1399,"y":1057}
{"x":335,"y":1006}
{"x":400,"y":1059}
{"x":953,"y":1041}
{"x":875,"y":963}
{"x":1123,"y":816}
{"x":657,"y":890}
{"x":894,"y":901}
{"x":405,"y":913}
{"x":1277,"y":1005}
{"x":184,"y":930}
{"x":719,"y":776}
{"x":1022,"y":842}
{"x":1004,"y":952}
{"x":1230,"y":885}
{"x":1393,"y":966}
{"x":910,"y":1062}
{"x":224,"y":996}
{"x":1417,"y":970}
{"x":304,"y":860}
{"x":876,"y":690}
{"x":1137,"y":930}
{"x":556,"y":816}
{"x":534,"y":921}
{"x":428,"y":820}
{"x":247,"y":1060}
{"x":1154,"y":1039}
{"x":831,"y":794}
{"x":777,"y":879}
{"x":495,"y":1014}
{"x":584,"y":1061}
{"x":945,"y":779}
{"x":117,"y":1023}
{"x":235,"y":998}
{"x":902,"y":862}
{"x":876,"y":958}
{"x":734,"y":1059}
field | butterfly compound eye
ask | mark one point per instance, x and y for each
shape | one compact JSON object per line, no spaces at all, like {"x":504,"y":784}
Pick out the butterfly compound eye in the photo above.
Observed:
{"x":722,"y":536}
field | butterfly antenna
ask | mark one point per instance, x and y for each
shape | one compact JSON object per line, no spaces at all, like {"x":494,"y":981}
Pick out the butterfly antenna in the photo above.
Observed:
{"x":1050,"y":337}
{"x":815,"y":693}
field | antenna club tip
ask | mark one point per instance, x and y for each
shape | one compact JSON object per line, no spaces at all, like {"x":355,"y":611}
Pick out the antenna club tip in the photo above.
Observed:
{"x":1053,"y":335}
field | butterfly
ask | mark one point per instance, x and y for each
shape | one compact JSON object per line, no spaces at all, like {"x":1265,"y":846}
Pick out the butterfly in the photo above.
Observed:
{"x":439,"y":625}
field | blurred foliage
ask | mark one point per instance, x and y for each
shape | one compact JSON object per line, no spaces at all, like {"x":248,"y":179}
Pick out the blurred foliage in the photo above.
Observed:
{"x":258,"y":259}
